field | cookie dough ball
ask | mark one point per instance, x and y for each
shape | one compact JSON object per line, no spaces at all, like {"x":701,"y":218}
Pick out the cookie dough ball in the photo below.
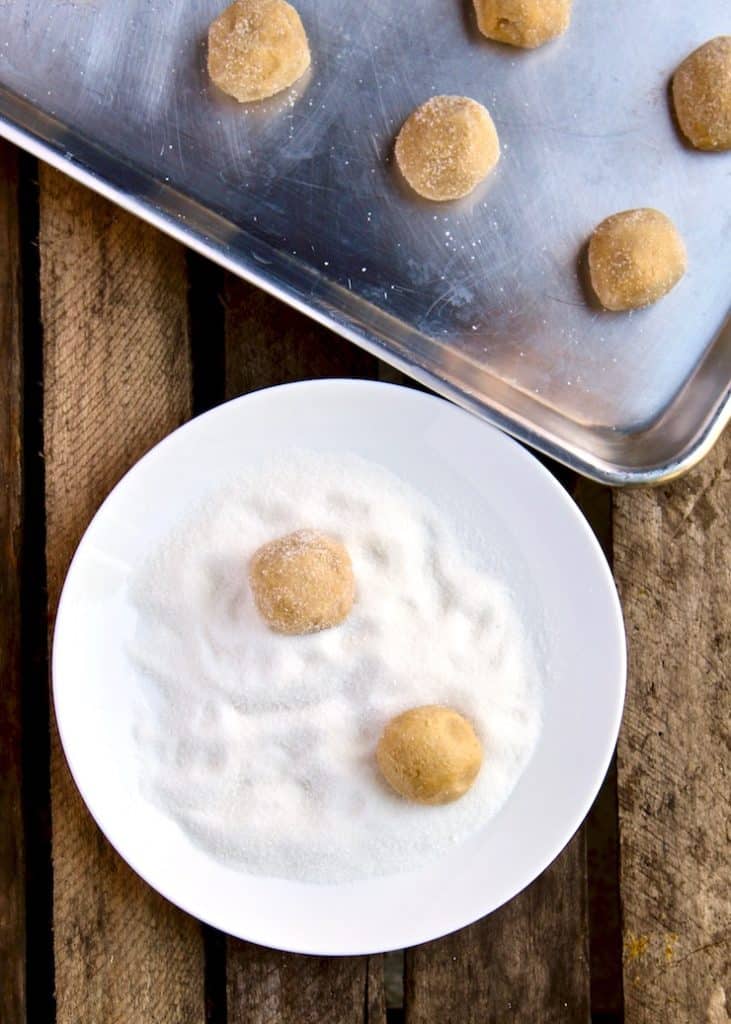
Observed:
{"x":702,"y":95}
{"x":256,"y":48}
{"x":429,"y":754}
{"x":635,"y":258}
{"x":446,"y":147}
{"x":303,"y":582}
{"x":526,"y":23}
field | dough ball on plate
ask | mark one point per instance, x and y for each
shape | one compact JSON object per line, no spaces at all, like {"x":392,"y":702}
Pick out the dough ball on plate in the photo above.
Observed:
{"x":302,"y":582}
{"x":526,"y":23}
{"x":446,"y":147}
{"x":635,"y":257}
{"x":702,"y":95}
{"x":257,"y":48}
{"x":430,"y":755}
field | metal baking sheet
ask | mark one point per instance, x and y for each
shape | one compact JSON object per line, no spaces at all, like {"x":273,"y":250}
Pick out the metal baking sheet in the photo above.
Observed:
{"x":481,"y":299}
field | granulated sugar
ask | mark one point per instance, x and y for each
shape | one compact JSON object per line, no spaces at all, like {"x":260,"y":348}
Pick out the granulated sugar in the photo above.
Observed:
{"x":261,"y":746}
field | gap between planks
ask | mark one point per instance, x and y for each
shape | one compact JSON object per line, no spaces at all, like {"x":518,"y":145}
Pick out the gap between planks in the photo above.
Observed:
{"x":12,"y":830}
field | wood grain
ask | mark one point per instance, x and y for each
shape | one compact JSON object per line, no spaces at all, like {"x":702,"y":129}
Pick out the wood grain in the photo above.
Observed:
{"x":267,"y":343}
{"x":672,"y":559}
{"x":12,"y":860}
{"x":526,"y":963}
{"x":117,"y":379}
{"x":267,"y":987}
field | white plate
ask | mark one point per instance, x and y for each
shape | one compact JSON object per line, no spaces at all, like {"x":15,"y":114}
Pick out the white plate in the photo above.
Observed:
{"x":558,"y":575}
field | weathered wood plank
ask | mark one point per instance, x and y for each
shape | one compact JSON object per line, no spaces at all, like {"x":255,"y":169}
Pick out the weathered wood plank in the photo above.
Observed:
{"x":12,"y":859}
{"x":672,"y":560}
{"x":601,"y":828}
{"x":117,"y":379}
{"x":268,"y":343}
{"x":526,"y":963}
{"x":267,"y":987}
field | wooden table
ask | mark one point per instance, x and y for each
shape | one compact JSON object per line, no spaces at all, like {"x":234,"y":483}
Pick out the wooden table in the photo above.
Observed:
{"x":111,"y":335}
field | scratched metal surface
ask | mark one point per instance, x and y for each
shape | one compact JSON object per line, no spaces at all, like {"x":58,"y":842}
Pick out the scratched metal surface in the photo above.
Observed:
{"x":480,"y":298}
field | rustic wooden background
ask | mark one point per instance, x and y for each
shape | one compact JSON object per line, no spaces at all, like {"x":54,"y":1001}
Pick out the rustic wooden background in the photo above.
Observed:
{"x":111,"y":335}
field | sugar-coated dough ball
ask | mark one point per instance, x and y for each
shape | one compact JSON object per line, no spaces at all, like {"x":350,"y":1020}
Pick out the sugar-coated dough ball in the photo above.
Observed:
{"x":702,"y":95}
{"x":526,"y":23}
{"x":635,"y":257}
{"x":302,"y":582}
{"x":429,"y":754}
{"x":446,"y":147}
{"x":256,"y":48}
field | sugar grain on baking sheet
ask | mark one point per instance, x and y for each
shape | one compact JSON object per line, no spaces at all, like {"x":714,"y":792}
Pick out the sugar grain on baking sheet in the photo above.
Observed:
{"x":261,"y":746}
